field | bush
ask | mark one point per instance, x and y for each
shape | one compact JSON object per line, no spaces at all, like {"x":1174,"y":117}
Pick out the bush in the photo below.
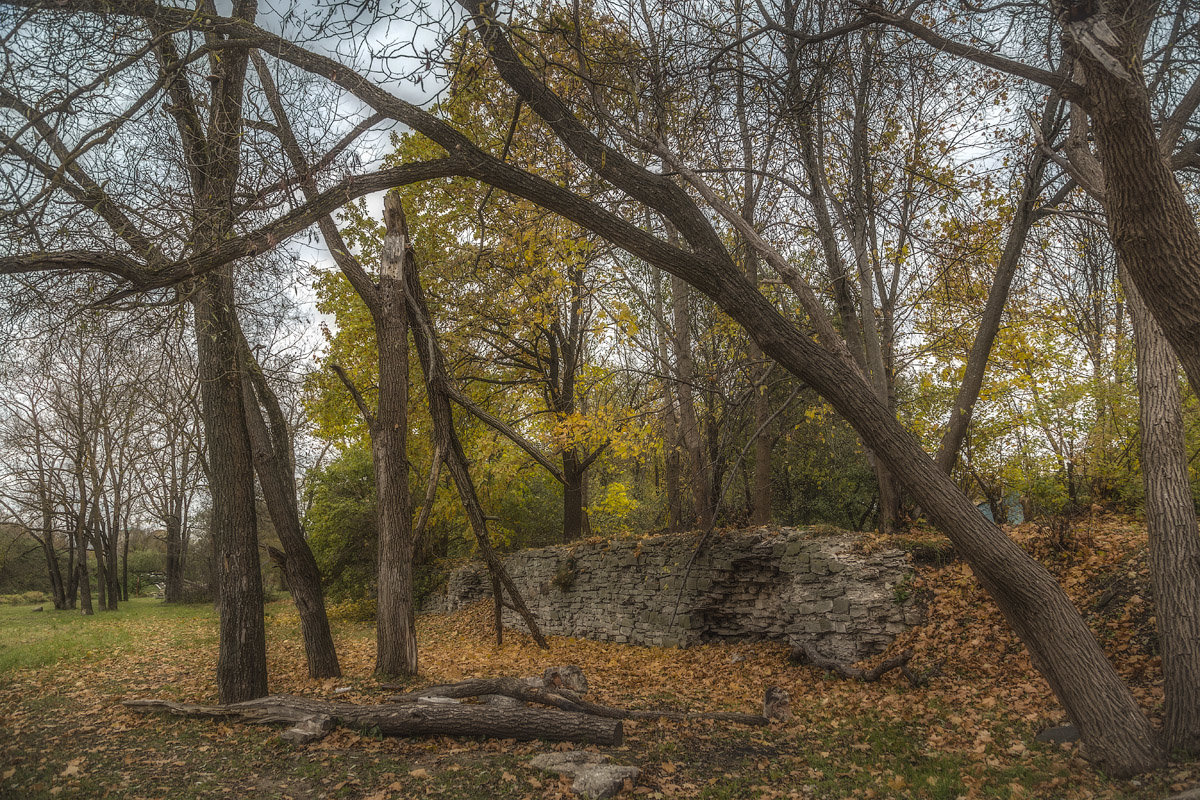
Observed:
{"x":25,"y":599}
{"x":356,"y":609}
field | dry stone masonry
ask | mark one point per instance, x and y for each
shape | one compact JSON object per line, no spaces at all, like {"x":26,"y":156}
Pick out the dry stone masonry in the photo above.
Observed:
{"x":788,"y":584}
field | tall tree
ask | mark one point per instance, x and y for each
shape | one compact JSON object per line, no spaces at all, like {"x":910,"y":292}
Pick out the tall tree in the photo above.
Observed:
{"x":395,"y":619}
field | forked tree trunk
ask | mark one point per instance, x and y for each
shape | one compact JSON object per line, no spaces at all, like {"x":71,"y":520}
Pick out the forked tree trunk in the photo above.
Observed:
{"x":1171,"y":526}
{"x":396,"y":643}
{"x":53,"y":569}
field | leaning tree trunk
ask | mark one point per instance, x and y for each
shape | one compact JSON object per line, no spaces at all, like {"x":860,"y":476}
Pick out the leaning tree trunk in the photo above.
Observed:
{"x":1171,"y":526}
{"x":275,"y":466}
{"x":447,"y":442}
{"x":1117,"y":734}
{"x":993,"y":312}
{"x":1153,"y":229}
{"x":396,"y":646}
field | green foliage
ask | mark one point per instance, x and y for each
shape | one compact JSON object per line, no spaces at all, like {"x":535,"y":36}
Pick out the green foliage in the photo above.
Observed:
{"x":31,"y":598}
{"x":340,"y":521}
{"x":612,"y":513}
{"x":822,"y":475}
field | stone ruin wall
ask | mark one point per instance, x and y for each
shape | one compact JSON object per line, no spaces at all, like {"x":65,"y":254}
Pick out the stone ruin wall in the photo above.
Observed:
{"x":787,"y":585}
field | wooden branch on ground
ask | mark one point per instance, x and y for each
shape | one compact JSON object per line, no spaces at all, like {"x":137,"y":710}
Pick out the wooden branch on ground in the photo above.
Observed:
{"x":566,"y":700}
{"x":310,"y":719}
{"x":807,"y":654}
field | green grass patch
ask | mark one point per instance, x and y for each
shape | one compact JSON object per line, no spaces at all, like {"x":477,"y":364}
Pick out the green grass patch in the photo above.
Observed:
{"x":30,"y":639}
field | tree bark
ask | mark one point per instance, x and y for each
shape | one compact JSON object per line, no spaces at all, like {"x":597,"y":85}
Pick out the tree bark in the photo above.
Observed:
{"x":395,"y":620}
{"x":563,"y":699}
{"x":242,"y":663}
{"x":689,"y":424}
{"x":573,"y":477}
{"x":411,"y":720}
{"x":1171,"y":526}
{"x":275,"y":467}
{"x":53,"y":569}
{"x":1116,"y":731}
{"x":1153,"y":229}
{"x":671,"y":467}
{"x":83,"y":580}
{"x":173,"y":591}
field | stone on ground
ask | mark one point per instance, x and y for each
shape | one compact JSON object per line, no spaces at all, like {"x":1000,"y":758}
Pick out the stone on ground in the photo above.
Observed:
{"x":592,"y":777}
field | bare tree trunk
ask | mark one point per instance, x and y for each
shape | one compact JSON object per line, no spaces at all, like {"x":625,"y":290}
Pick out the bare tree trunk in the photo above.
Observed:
{"x":54,"y":571}
{"x":83,"y":580}
{"x":573,"y":477}
{"x":671,"y":470}
{"x":114,"y":575}
{"x":396,"y":646}
{"x":125,"y":567}
{"x":173,"y":591}
{"x":1152,"y":227}
{"x":689,"y":425}
{"x":72,"y":573}
{"x":242,"y":663}
{"x":275,"y":465}
{"x":1171,"y":526}
{"x":396,"y":643}
{"x":98,"y":550}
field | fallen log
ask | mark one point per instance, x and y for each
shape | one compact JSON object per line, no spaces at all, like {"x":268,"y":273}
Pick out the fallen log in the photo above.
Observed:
{"x":313,"y":718}
{"x":566,"y":700}
{"x":807,"y":654}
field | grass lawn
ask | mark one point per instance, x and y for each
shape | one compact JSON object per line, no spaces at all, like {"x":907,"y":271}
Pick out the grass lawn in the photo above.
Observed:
{"x":970,"y":733}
